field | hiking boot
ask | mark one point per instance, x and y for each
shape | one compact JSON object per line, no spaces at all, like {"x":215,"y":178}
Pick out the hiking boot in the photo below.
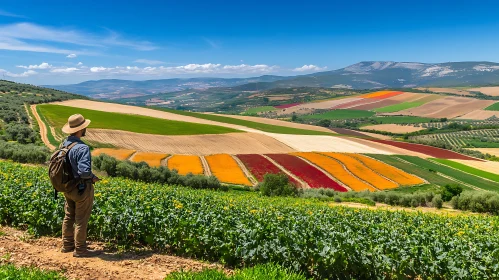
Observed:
{"x":86,"y":254}
{"x":67,"y":250}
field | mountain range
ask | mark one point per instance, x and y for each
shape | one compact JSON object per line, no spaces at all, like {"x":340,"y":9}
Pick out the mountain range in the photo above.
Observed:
{"x":362,"y":75}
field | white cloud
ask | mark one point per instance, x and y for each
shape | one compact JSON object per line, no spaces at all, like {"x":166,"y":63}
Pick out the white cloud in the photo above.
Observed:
{"x":7,"y":14}
{"x":80,"y":63}
{"x":29,"y":37}
{"x":72,"y":55}
{"x":148,"y":61}
{"x":99,"y":69}
{"x":21,"y":75}
{"x":64,"y":70}
{"x":43,"y":65}
{"x":309,"y":68}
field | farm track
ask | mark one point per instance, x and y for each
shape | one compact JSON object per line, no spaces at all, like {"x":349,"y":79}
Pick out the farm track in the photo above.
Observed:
{"x":43,"y":129}
{"x":245,"y":170}
{"x":44,"y":254}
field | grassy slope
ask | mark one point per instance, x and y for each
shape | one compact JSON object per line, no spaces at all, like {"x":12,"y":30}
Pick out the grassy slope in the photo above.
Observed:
{"x":250,"y":124}
{"x":399,"y":107}
{"x":57,"y":116}
{"x":424,"y":173}
{"x":461,"y":176}
{"x":468,"y":169}
{"x":8,"y":271}
{"x":493,"y":107}
{"x":341,"y":115}
{"x":255,"y":110}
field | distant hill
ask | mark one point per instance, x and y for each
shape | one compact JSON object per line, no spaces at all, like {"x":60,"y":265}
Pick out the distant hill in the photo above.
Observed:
{"x":363,"y":75}
{"x":115,"y":89}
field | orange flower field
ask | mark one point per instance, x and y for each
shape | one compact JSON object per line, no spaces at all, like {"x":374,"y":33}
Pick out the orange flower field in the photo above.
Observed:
{"x":376,"y":94}
{"x":226,"y":169}
{"x":388,"y":171}
{"x":360,"y":170}
{"x":185,"y":164}
{"x":120,"y":154}
{"x":335,"y":168}
{"x":153,"y":159}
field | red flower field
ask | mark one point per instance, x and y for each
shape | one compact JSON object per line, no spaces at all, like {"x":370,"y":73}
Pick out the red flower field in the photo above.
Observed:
{"x":284,"y":106}
{"x":259,"y":166}
{"x":427,"y":150}
{"x":313,"y":176}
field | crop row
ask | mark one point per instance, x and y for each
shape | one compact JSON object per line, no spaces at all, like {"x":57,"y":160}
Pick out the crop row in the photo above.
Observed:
{"x":243,"y":228}
{"x":462,"y":139}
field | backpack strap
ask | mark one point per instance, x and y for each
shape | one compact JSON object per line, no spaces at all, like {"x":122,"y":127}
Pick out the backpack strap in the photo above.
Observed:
{"x":70,"y":146}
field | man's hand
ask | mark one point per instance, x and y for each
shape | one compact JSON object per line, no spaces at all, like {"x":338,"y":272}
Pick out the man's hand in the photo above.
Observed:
{"x":95,"y":179}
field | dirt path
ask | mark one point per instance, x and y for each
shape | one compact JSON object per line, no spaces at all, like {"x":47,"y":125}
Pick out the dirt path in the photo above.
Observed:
{"x":44,"y":253}
{"x":43,"y":128}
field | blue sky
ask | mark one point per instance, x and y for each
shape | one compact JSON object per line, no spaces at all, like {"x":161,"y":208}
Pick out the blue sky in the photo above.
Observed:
{"x":60,"y":42}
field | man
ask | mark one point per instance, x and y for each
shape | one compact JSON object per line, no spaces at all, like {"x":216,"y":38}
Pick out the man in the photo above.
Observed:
{"x":79,"y":201}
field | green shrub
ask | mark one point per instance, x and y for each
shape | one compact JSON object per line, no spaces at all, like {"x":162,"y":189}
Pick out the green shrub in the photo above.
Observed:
{"x":437,"y":201}
{"x":449,"y":191}
{"x":27,"y":273}
{"x":265,"y":271}
{"x":477,"y":201}
{"x":277,"y":185}
{"x":29,"y":153}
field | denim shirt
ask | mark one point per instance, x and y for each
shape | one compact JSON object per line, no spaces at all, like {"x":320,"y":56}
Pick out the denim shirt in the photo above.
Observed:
{"x":80,"y":158}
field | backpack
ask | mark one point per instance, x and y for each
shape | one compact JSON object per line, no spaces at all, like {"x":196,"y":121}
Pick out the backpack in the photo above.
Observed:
{"x":60,"y":171}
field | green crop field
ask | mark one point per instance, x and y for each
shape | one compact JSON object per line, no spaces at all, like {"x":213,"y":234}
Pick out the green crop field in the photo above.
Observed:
{"x":402,"y":119}
{"x":249,"y":124}
{"x":454,"y":173}
{"x":341,"y":114}
{"x":493,"y":107}
{"x":57,"y":116}
{"x":256,"y":110}
{"x":399,"y":107}
{"x":468,"y":169}
{"x":244,"y":229}
{"x":420,"y":171}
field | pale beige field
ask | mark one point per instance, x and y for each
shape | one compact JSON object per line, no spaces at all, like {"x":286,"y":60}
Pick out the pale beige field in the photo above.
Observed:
{"x":279,"y":123}
{"x":479,"y":115}
{"x":447,"y":90}
{"x":394,"y":128}
{"x":489,"y":166}
{"x":309,"y":107}
{"x":231,"y":143}
{"x":492,"y":151}
{"x":492,"y":91}
{"x":447,"y":107}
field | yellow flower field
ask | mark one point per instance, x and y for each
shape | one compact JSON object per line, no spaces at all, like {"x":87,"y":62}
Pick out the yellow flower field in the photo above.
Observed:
{"x":390,"y":172}
{"x":120,"y":154}
{"x":360,"y":170}
{"x":335,"y":168}
{"x":226,"y":169}
{"x":185,"y":164}
{"x":153,"y":159}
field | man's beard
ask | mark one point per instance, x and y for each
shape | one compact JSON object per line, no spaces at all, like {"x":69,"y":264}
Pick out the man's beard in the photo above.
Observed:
{"x":84,"y":132}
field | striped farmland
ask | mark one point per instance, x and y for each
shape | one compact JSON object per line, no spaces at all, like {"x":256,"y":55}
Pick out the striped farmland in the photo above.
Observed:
{"x":258,"y":165}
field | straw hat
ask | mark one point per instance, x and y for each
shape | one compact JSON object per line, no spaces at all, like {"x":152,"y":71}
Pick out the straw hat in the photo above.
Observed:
{"x":75,"y":123}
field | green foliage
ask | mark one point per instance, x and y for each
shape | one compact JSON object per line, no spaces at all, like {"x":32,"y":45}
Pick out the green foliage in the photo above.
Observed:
{"x":277,"y":185}
{"x":437,"y":201}
{"x":143,"y":172}
{"x":324,"y":123}
{"x":244,"y":228}
{"x":265,"y":271}
{"x":57,"y":116}
{"x":256,"y":110}
{"x":341,"y":114}
{"x":250,"y":124}
{"x":8,"y":271}
{"x":477,"y":201}
{"x":449,"y":191}
{"x":29,"y":153}
{"x":21,"y":133}
{"x":401,"y":119}
{"x":468,"y":169}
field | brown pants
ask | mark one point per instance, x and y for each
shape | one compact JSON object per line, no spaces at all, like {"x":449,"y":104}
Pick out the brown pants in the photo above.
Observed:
{"x":78,"y":209}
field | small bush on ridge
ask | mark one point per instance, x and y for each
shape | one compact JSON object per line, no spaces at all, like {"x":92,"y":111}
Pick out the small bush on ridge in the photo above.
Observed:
{"x":277,"y":185}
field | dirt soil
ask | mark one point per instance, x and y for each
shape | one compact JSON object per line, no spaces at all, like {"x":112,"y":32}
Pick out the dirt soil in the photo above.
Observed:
{"x":492,"y":91}
{"x":18,"y":249}
{"x":231,"y":143}
{"x":393,"y":128}
{"x":447,"y":90}
{"x":479,"y":115}
{"x":492,"y":151}
{"x":43,"y":129}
